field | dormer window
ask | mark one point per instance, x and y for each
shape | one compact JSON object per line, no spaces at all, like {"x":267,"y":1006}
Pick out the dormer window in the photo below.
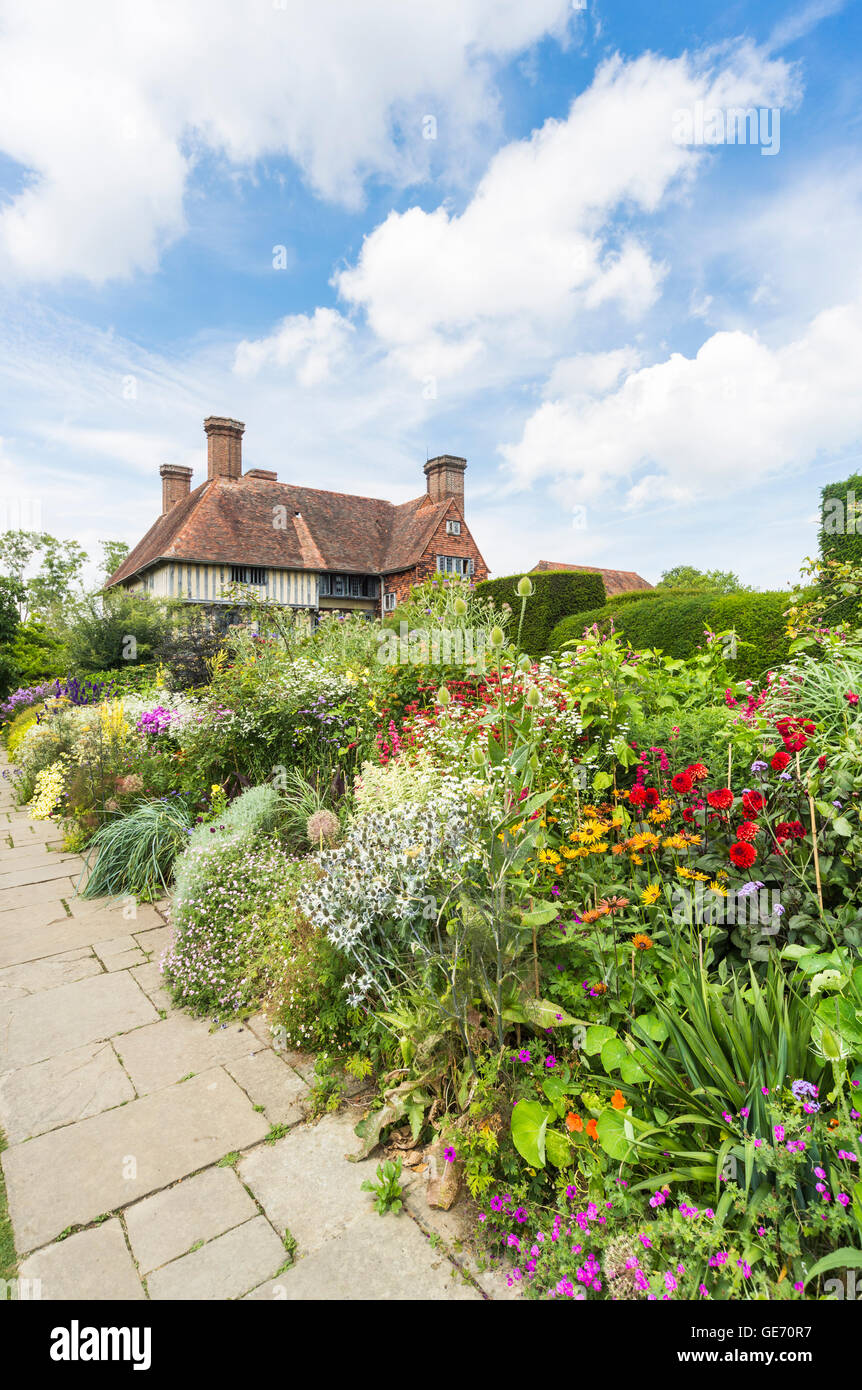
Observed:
{"x":453,"y":528}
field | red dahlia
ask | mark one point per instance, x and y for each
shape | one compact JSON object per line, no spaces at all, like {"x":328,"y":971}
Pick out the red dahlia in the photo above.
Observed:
{"x":789,"y":830}
{"x":652,"y":796}
{"x":747,"y":830}
{"x":637,"y":796}
{"x":779,"y":761}
{"x":682,"y":782}
{"x":742,"y":855}
{"x":752,"y":802}
{"x":722,"y":800}
{"x":697,"y":771}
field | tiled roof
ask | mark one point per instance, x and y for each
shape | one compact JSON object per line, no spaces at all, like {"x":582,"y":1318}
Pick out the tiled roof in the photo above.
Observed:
{"x":615,"y":581}
{"x":232,"y":522}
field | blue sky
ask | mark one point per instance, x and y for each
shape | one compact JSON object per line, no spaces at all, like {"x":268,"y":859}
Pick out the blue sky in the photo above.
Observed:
{"x":648,"y":351}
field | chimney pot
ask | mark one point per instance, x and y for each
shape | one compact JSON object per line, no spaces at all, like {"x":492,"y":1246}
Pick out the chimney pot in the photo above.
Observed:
{"x":266,"y":473}
{"x":176,"y":484}
{"x":445,"y":478}
{"x":224,"y":447}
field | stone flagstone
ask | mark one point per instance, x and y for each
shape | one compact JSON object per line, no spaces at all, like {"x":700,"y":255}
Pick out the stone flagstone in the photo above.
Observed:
{"x":93,"y":1264}
{"x":41,"y":1025}
{"x":72,"y":1175}
{"x":61,"y":1090}
{"x":226,"y":1267}
{"x":163,"y":1227}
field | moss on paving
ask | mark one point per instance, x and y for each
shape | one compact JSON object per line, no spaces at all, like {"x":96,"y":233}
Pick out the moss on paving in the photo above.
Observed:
{"x":8,"y":1262}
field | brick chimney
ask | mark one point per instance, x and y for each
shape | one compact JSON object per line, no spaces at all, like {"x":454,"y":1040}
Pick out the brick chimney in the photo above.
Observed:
{"x":176,"y":484}
{"x":224,"y":447}
{"x":445,"y":476}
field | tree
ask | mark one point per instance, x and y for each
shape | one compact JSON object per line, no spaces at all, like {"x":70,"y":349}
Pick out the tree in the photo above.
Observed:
{"x":702,"y":581}
{"x":116,"y":629}
{"x":17,"y":549}
{"x":50,"y":591}
{"x":11,"y":595}
{"x":113,"y":555}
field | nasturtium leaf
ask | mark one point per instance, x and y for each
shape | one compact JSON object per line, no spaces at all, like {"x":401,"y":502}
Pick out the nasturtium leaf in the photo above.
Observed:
{"x":651,"y":1026}
{"x":631,"y":1071}
{"x":558,"y":1149}
{"x":613,"y":1136}
{"x":597,"y":1035}
{"x":529,"y":1122}
{"x":614,"y":1052}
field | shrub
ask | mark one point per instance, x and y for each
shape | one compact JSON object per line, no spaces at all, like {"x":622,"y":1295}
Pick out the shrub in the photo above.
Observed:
{"x":256,"y":811}
{"x":135,"y":854}
{"x":308,"y":1000}
{"x":676,"y":625}
{"x":556,"y":595}
{"x":232,"y":918}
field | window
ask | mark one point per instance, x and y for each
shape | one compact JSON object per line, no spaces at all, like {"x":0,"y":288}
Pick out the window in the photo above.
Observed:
{"x":247,"y":574}
{"x":348,"y":586}
{"x":454,"y":564}
{"x":453,"y":528}
{"x":389,"y":601}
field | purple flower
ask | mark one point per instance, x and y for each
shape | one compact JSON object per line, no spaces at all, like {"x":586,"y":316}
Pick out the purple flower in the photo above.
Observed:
{"x":449,"y":1155}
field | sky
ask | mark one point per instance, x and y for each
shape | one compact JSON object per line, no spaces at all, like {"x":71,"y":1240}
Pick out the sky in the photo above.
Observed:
{"x":380,"y":230}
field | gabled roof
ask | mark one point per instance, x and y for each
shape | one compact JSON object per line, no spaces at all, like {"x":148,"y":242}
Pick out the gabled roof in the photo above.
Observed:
{"x":615,"y":581}
{"x":251,"y":520}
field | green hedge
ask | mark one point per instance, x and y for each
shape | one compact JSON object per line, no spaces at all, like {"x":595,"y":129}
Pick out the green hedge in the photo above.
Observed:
{"x":556,"y":594}
{"x":676,"y":625}
{"x":841,"y":538}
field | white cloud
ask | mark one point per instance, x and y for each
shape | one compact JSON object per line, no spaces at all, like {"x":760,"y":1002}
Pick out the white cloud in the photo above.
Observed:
{"x":737,"y":413}
{"x":539,"y":244}
{"x":311,"y":345}
{"x":107,"y":109}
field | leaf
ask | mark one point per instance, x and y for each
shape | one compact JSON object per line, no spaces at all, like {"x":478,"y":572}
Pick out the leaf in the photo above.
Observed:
{"x":558,"y":1149}
{"x":614,"y":1053}
{"x":529,"y":1122}
{"x":845,"y":1258}
{"x":632,"y":1072}
{"x":597,"y":1035}
{"x":556,"y":1084}
{"x":842,"y":826}
{"x":543,"y":1014}
{"x":651,"y":1026}
{"x":616,"y":1135}
{"x":540,"y":915}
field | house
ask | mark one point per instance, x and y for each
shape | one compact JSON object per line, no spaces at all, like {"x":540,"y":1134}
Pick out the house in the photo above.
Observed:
{"x":299,"y":546}
{"x":615,"y":581}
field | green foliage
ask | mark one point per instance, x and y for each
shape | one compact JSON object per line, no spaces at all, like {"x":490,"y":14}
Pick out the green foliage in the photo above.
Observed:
{"x":556,"y":595}
{"x":255,"y":812}
{"x":116,"y":630}
{"x":387,"y":1190}
{"x":187,"y":649}
{"x":8,"y":1262}
{"x":840,"y":539}
{"x":706,"y":581}
{"x":676,"y":626}
{"x":135,"y":854}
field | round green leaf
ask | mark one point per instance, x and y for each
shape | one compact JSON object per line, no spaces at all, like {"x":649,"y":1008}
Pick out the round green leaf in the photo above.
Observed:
{"x":529,"y":1122}
{"x":558,"y":1149}
{"x":614,"y":1053}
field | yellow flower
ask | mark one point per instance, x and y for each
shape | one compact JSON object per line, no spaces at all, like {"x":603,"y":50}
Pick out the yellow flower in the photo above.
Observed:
{"x":717,"y":888}
{"x":651,"y":894}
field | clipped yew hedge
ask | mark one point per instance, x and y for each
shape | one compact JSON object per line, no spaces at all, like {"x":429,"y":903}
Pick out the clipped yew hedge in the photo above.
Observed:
{"x":556,"y":595}
{"x":675,"y":624}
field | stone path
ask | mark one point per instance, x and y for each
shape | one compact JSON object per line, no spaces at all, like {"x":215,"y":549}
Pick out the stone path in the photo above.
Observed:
{"x":141,"y":1161}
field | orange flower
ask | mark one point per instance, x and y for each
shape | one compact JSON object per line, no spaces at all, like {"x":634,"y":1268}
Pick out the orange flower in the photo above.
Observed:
{"x":574,"y":1122}
{"x":618,"y":1100}
{"x":642,"y":942}
{"x":592,"y":1129}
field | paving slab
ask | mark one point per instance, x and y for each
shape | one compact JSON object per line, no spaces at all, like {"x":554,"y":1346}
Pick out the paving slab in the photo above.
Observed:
{"x":29,"y":938}
{"x":269,"y":1082}
{"x":152,"y":982}
{"x":226,"y":1267}
{"x":117,"y":915}
{"x":154,"y":941}
{"x":36,"y":857}
{"x":58,"y":1020}
{"x":304,"y":1183}
{"x":379,"y":1258}
{"x":38,"y":873}
{"x":16,"y":981}
{"x":119,"y":953}
{"x":62,"y":1090}
{"x":72,"y":1175}
{"x":31,"y":894}
{"x":168,"y":1050}
{"x":93,"y":1264}
{"x":165,"y":1226}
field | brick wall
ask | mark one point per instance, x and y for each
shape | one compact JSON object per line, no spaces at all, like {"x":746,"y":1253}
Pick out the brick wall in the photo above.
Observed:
{"x":440,"y":544}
